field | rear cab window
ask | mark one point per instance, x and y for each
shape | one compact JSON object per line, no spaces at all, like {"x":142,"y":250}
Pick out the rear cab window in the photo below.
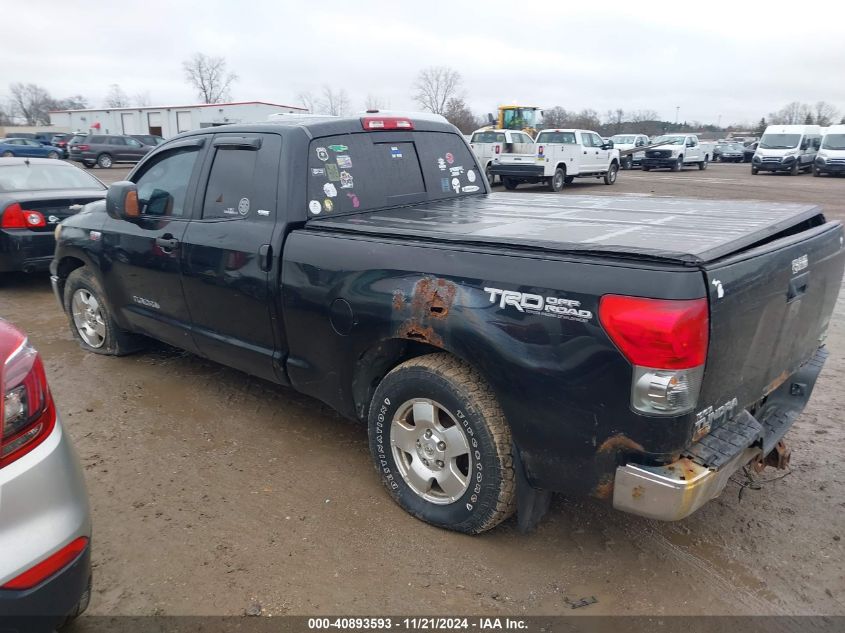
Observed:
{"x":375,"y":170}
{"x":488,"y":137}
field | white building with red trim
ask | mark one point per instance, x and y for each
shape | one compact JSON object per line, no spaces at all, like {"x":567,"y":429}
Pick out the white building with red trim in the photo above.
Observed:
{"x":167,"y":121}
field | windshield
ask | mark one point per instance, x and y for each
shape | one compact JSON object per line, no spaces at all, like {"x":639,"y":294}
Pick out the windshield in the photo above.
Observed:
{"x":669,"y":140}
{"x":621,"y":138}
{"x":40,"y":177}
{"x":834,"y":141}
{"x":519,"y":118}
{"x":780,"y":141}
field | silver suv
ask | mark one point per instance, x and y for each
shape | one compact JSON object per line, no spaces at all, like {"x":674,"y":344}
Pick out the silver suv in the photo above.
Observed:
{"x":45,"y":523}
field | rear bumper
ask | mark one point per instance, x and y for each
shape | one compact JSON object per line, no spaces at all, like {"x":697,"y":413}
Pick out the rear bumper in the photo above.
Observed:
{"x":22,"y":249}
{"x":518,"y":171}
{"x":674,"y":491}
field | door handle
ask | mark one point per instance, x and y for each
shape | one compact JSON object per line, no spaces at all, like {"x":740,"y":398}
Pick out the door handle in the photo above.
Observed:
{"x":265,"y":257}
{"x":167,"y":242}
{"x":797,"y":286}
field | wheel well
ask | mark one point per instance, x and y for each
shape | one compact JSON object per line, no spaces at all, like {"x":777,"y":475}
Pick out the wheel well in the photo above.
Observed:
{"x":561,"y":166}
{"x":375,"y":363}
{"x":67,"y":265}
{"x":614,"y":162}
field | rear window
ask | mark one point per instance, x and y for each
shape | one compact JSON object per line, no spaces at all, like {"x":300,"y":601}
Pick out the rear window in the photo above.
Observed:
{"x":488,"y":137}
{"x":567,"y":138}
{"x":358,"y":172}
{"x":41,"y":177}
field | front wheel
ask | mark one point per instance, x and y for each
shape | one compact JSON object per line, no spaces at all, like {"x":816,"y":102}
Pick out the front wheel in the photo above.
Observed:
{"x":53,"y":155}
{"x":816,"y":171}
{"x":627,"y":162}
{"x":679,"y":164}
{"x":510,"y":183}
{"x":441,"y":444}
{"x":90,"y":317}
{"x":557,"y":181}
{"x":610,"y":176}
{"x":795,"y":169}
{"x":702,"y":165}
{"x":754,"y":170}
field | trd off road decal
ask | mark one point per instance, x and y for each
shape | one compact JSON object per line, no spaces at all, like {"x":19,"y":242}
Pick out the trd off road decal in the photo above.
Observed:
{"x":537,"y":304}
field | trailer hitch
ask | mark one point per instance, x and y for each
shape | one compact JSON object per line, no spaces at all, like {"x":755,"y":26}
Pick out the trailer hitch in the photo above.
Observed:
{"x":778,"y":457}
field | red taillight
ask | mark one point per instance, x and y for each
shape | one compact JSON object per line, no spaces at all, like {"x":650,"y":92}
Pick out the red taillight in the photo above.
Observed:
{"x":658,"y":333}
{"x":14,"y":217}
{"x":386,"y":123}
{"x":82,"y":148}
{"x":49,"y":566}
{"x":498,"y":149}
{"x":27,"y":412}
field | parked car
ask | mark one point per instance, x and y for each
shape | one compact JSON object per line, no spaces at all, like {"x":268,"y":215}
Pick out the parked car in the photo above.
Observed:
{"x":498,"y":346}
{"x":104,"y":150}
{"x":748,"y":152}
{"x":728,"y":153}
{"x":148,"y":139}
{"x":76,"y":139}
{"x":42,"y":137}
{"x":624,"y":142}
{"x":35,"y":195}
{"x":490,"y":143}
{"x":831,"y":157}
{"x":61,"y":141}
{"x":27,"y":148}
{"x":789,"y":148}
{"x":676,"y":151}
{"x":558,"y":158}
{"x":45,"y":524}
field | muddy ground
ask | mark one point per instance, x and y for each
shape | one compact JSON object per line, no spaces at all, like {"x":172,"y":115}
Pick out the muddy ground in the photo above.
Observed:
{"x":213,"y":491}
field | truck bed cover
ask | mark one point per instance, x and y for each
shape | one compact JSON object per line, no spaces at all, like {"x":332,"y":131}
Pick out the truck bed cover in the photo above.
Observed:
{"x":680,"y":230}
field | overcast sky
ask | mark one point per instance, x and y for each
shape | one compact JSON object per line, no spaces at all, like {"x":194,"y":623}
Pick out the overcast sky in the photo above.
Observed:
{"x":739,"y":60}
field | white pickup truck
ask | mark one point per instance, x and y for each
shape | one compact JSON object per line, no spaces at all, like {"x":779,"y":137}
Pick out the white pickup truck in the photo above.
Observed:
{"x":558,"y":158}
{"x":488,"y":144}
{"x":677,"y":151}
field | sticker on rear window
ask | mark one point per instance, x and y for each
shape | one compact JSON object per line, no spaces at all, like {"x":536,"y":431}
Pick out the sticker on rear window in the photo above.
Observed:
{"x":330,"y":190}
{"x":344,"y":161}
{"x":322,"y":154}
{"x":315,"y":207}
{"x":345,"y":180}
{"x":331,"y":170}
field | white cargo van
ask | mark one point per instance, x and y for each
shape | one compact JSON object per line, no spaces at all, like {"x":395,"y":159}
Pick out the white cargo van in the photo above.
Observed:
{"x":488,"y":144}
{"x":789,"y":148}
{"x":831,"y":155}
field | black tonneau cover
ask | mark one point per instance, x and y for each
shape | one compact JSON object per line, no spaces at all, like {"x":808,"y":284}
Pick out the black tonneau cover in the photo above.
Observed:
{"x":681,"y":230}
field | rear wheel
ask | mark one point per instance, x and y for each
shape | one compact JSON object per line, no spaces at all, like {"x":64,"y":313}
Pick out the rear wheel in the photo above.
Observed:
{"x":557,"y":181}
{"x":90,"y":317}
{"x":510,"y":183}
{"x":679,"y":164}
{"x":610,"y":176}
{"x":490,"y":177}
{"x":7,"y":154}
{"x":441,"y":444}
{"x":644,"y":168}
{"x":104,"y":161}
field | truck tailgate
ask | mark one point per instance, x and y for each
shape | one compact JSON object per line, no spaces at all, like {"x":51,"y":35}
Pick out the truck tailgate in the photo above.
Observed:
{"x":769,"y":312}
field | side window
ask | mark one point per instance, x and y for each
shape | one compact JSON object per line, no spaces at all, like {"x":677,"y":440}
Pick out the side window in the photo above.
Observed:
{"x":163,"y":184}
{"x":131,"y":142}
{"x":586,"y":139}
{"x":230,"y":183}
{"x":115,"y":140}
{"x":597,"y":140}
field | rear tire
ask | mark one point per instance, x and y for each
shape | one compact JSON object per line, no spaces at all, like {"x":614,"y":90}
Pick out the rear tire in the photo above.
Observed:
{"x":434,"y":419}
{"x":489,"y":174}
{"x":90,"y":317}
{"x":644,"y":168}
{"x":558,"y":180}
{"x":104,"y":161}
{"x":611,"y":174}
{"x":510,"y":183}
{"x":7,"y":154}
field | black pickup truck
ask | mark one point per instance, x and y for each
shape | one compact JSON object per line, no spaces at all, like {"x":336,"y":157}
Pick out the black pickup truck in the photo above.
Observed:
{"x":500,"y":346}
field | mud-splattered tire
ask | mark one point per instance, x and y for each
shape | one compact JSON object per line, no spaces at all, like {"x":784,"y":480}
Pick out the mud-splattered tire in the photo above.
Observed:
{"x":510,"y":183}
{"x":465,"y":416}
{"x":85,"y":302}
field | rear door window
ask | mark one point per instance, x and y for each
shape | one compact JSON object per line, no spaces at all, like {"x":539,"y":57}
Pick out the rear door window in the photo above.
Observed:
{"x":355,"y":172}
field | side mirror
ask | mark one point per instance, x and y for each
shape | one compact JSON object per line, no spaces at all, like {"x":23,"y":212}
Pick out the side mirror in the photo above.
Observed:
{"x":608,"y":145}
{"x":122,"y":201}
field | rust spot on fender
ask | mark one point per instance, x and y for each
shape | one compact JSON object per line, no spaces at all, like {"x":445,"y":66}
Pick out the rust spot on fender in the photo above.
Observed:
{"x":430,"y":304}
{"x":637,"y":492}
{"x":618,"y":442}
{"x":604,"y":489}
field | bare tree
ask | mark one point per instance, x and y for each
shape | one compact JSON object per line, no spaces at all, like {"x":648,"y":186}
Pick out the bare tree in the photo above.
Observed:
{"x":791,"y":114}
{"x":555,"y":117}
{"x":374,"y":103}
{"x":142,"y":98}
{"x":641,"y":116}
{"x":116,"y":97}
{"x":435,"y":86}
{"x":459,"y":115}
{"x":586,"y":119}
{"x":825,"y":113}
{"x":31,"y":102}
{"x":76,"y":102}
{"x":335,"y":102}
{"x":615,"y":119}
{"x":310,"y":102}
{"x":6,"y":117}
{"x":209,"y":77}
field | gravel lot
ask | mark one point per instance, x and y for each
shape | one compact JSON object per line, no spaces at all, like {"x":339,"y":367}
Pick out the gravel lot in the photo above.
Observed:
{"x":213,"y":491}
